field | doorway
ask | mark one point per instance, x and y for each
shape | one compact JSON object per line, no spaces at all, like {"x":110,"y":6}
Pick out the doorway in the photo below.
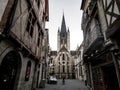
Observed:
{"x":110,"y":78}
{"x":8,"y":70}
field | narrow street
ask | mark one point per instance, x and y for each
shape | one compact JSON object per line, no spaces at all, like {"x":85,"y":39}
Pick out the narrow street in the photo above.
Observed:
{"x":73,"y":40}
{"x":69,"y":85}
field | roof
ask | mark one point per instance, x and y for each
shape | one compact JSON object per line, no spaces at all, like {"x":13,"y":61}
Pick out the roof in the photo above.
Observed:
{"x":73,"y":53}
{"x":63,"y":32}
{"x":53,"y":53}
{"x":63,"y":49}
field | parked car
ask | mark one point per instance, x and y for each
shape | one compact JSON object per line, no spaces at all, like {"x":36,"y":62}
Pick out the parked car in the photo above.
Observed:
{"x":52,"y":80}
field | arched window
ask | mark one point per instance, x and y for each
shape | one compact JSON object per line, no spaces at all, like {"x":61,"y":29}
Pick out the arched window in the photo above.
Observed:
{"x":28,"y":69}
{"x":63,"y":57}
{"x":63,"y":68}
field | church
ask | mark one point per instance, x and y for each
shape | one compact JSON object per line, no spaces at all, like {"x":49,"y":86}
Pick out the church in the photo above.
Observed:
{"x":62,"y":61}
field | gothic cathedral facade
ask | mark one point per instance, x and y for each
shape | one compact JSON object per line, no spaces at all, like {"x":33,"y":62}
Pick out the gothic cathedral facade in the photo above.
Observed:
{"x":63,"y":60}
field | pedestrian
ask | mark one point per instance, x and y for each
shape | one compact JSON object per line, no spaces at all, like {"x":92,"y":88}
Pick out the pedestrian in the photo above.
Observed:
{"x":85,"y":82}
{"x":63,"y":80}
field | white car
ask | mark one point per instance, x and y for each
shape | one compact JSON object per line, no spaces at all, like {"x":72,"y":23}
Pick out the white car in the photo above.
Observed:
{"x":52,"y":80}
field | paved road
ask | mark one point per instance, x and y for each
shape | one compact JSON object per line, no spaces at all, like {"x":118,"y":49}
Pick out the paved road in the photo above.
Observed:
{"x":69,"y":85}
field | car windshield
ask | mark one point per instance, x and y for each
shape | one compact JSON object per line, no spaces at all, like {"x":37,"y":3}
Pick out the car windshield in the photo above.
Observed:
{"x":53,"y":78}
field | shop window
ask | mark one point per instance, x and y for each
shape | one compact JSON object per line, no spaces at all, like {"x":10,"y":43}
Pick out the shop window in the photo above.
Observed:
{"x":28,"y":69}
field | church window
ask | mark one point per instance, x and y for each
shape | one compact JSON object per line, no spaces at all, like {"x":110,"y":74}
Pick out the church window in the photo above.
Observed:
{"x":63,"y":62}
{"x":63,"y":56}
{"x":63,"y":68}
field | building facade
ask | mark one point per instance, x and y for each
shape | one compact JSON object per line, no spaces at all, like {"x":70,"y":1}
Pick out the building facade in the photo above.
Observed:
{"x":80,"y":69}
{"x":100,"y":26}
{"x":62,"y":60}
{"x":22,"y":38}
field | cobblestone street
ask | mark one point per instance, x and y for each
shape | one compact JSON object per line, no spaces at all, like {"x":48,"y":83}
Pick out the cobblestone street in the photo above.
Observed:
{"x":69,"y":85}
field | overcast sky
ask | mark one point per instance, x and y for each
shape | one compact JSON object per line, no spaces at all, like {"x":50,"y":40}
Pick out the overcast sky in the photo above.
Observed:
{"x":72,"y":13}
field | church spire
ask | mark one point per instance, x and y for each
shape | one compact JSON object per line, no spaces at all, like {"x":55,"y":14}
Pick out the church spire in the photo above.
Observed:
{"x":63,"y":26}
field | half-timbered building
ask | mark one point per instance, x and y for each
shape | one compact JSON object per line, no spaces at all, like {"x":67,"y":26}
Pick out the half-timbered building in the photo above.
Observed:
{"x":100,"y":26}
{"x":23,"y":43}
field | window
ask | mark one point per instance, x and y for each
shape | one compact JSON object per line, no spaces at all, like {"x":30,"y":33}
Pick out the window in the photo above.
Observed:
{"x":63,"y":57}
{"x":31,"y":22}
{"x":28,"y":69}
{"x":63,"y":62}
{"x":63,"y":68}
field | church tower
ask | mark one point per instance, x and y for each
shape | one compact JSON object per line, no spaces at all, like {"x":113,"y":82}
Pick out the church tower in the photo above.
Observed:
{"x":63,"y":37}
{"x":62,"y":60}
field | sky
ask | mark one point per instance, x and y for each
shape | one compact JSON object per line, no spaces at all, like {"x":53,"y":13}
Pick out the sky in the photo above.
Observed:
{"x":73,"y":15}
